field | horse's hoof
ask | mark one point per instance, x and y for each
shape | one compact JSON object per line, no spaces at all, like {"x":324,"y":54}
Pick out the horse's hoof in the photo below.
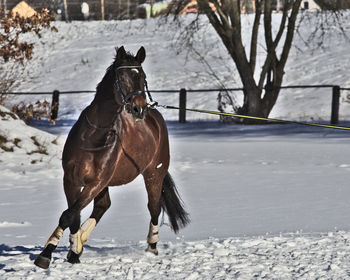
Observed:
{"x":152,"y":248}
{"x":73,"y":257}
{"x":42,"y":262}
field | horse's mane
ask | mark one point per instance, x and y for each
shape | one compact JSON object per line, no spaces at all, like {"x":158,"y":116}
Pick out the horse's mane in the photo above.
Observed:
{"x":104,"y":89}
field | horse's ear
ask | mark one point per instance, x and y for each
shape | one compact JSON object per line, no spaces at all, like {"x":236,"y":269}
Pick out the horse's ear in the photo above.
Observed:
{"x":121,"y":53}
{"x":141,"y":55}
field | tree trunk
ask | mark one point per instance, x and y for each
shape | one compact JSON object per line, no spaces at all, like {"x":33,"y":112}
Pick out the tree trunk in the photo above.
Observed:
{"x":252,"y":106}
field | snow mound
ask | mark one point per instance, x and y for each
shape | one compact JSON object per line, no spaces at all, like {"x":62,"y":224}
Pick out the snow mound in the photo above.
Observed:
{"x":25,"y":143}
{"x":278,"y":257}
{"x":9,"y":224}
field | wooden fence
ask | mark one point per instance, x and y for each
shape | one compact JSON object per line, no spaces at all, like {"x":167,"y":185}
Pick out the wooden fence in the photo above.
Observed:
{"x":336,"y":91}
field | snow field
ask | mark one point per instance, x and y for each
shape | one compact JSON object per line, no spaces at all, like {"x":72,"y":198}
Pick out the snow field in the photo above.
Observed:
{"x":266,"y":202}
{"x":270,"y":257}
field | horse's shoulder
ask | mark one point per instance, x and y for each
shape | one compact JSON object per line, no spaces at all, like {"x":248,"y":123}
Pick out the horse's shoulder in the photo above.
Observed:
{"x":155,"y":114}
{"x":156,"y":119}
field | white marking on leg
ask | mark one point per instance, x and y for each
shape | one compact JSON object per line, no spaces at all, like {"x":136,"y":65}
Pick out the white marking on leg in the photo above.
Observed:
{"x":153,"y":234}
{"x":55,"y":237}
{"x":75,"y":242}
{"x":159,"y":165}
{"x":86,"y":228}
{"x":78,"y":239}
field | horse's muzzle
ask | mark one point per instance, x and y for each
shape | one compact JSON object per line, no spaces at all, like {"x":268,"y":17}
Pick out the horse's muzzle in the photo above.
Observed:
{"x":138,"y":112}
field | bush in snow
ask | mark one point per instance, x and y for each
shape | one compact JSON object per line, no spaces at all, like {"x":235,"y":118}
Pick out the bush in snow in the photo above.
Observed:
{"x":26,"y":143}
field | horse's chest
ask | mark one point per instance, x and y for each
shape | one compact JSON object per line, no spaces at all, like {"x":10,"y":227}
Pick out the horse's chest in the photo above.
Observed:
{"x":140,"y":144}
{"x":137,"y":151}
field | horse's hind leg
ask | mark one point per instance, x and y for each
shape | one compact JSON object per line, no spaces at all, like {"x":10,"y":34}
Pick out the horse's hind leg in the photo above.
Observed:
{"x":154,"y":190}
{"x":101,"y":203}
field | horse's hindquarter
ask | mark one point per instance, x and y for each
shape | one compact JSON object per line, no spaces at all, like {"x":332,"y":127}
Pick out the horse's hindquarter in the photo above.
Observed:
{"x":144,"y":144}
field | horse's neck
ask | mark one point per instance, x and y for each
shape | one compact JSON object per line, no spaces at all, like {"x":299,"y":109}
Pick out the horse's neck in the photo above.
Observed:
{"x":105,"y":105}
{"x":105,"y":89}
{"x":103,"y":112}
{"x":103,"y":94}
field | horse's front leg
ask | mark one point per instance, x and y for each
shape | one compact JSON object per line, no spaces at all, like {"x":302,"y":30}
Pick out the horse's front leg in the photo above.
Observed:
{"x":72,"y":193}
{"x":153,"y":182}
{"x":69,"y":218}
{"x":101,"y":204}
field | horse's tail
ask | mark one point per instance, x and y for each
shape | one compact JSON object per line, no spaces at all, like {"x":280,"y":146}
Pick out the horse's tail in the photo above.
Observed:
{"x":172,"y":204}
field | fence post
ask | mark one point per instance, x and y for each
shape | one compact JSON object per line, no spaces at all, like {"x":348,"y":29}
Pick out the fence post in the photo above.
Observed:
{"x":65,"y":5}
{"x":102,"y":10}
{"x":182,"y":105}
{"x":55,"y":104}
{"x":335,"y":104}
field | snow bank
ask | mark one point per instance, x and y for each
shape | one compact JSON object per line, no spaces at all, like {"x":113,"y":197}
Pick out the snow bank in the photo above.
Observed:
{"x":26,"y":144}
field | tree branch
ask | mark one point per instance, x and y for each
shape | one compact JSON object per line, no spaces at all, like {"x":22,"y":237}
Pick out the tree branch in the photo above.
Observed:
{"x":272,"y":44}
{"x":290,"y":34}
{"x":267,"y":23}
{"x":214,"y":20}
{"x":280,"y":32}
{"x":235,"y":17}
{"x":255,"y":32}
{"x":223,"y":15}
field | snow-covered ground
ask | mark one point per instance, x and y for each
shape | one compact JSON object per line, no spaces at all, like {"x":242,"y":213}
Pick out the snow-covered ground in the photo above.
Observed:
{"x":280,"y":257}
{"x":265,"y":201}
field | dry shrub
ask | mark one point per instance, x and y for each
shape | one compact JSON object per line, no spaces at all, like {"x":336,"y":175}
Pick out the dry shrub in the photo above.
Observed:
{"x":36,"y":111}
{"x":14,"y":51}
{"x":12,"y":26}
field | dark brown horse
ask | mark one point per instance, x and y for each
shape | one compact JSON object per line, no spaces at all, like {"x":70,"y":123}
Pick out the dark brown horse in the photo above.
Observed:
{"x":116,"y":138}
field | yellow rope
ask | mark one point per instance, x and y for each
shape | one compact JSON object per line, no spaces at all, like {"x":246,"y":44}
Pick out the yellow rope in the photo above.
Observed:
{"x":257,"y":118}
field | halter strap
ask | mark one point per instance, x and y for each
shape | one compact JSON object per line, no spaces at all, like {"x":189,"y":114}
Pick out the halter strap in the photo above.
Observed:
{"x":126,"y":97}
{"x":128,"y":67}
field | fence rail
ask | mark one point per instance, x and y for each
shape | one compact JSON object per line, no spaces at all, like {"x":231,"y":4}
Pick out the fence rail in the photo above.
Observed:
{"x":336,"y":90}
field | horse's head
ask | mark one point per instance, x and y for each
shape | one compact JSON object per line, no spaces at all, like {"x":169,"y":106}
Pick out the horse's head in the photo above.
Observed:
{"x":130,"y":81}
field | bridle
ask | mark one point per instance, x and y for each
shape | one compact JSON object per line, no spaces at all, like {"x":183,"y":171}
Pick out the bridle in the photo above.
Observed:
{"x":126,"y":105}
{"x":126,"y":97}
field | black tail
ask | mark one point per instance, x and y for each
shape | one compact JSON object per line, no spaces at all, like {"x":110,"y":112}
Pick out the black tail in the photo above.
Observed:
{"x":172,"y":204}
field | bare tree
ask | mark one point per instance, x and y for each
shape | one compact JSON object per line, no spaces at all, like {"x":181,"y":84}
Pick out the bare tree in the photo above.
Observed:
{"x":226,"y":20}
{"x":261,"y":85}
